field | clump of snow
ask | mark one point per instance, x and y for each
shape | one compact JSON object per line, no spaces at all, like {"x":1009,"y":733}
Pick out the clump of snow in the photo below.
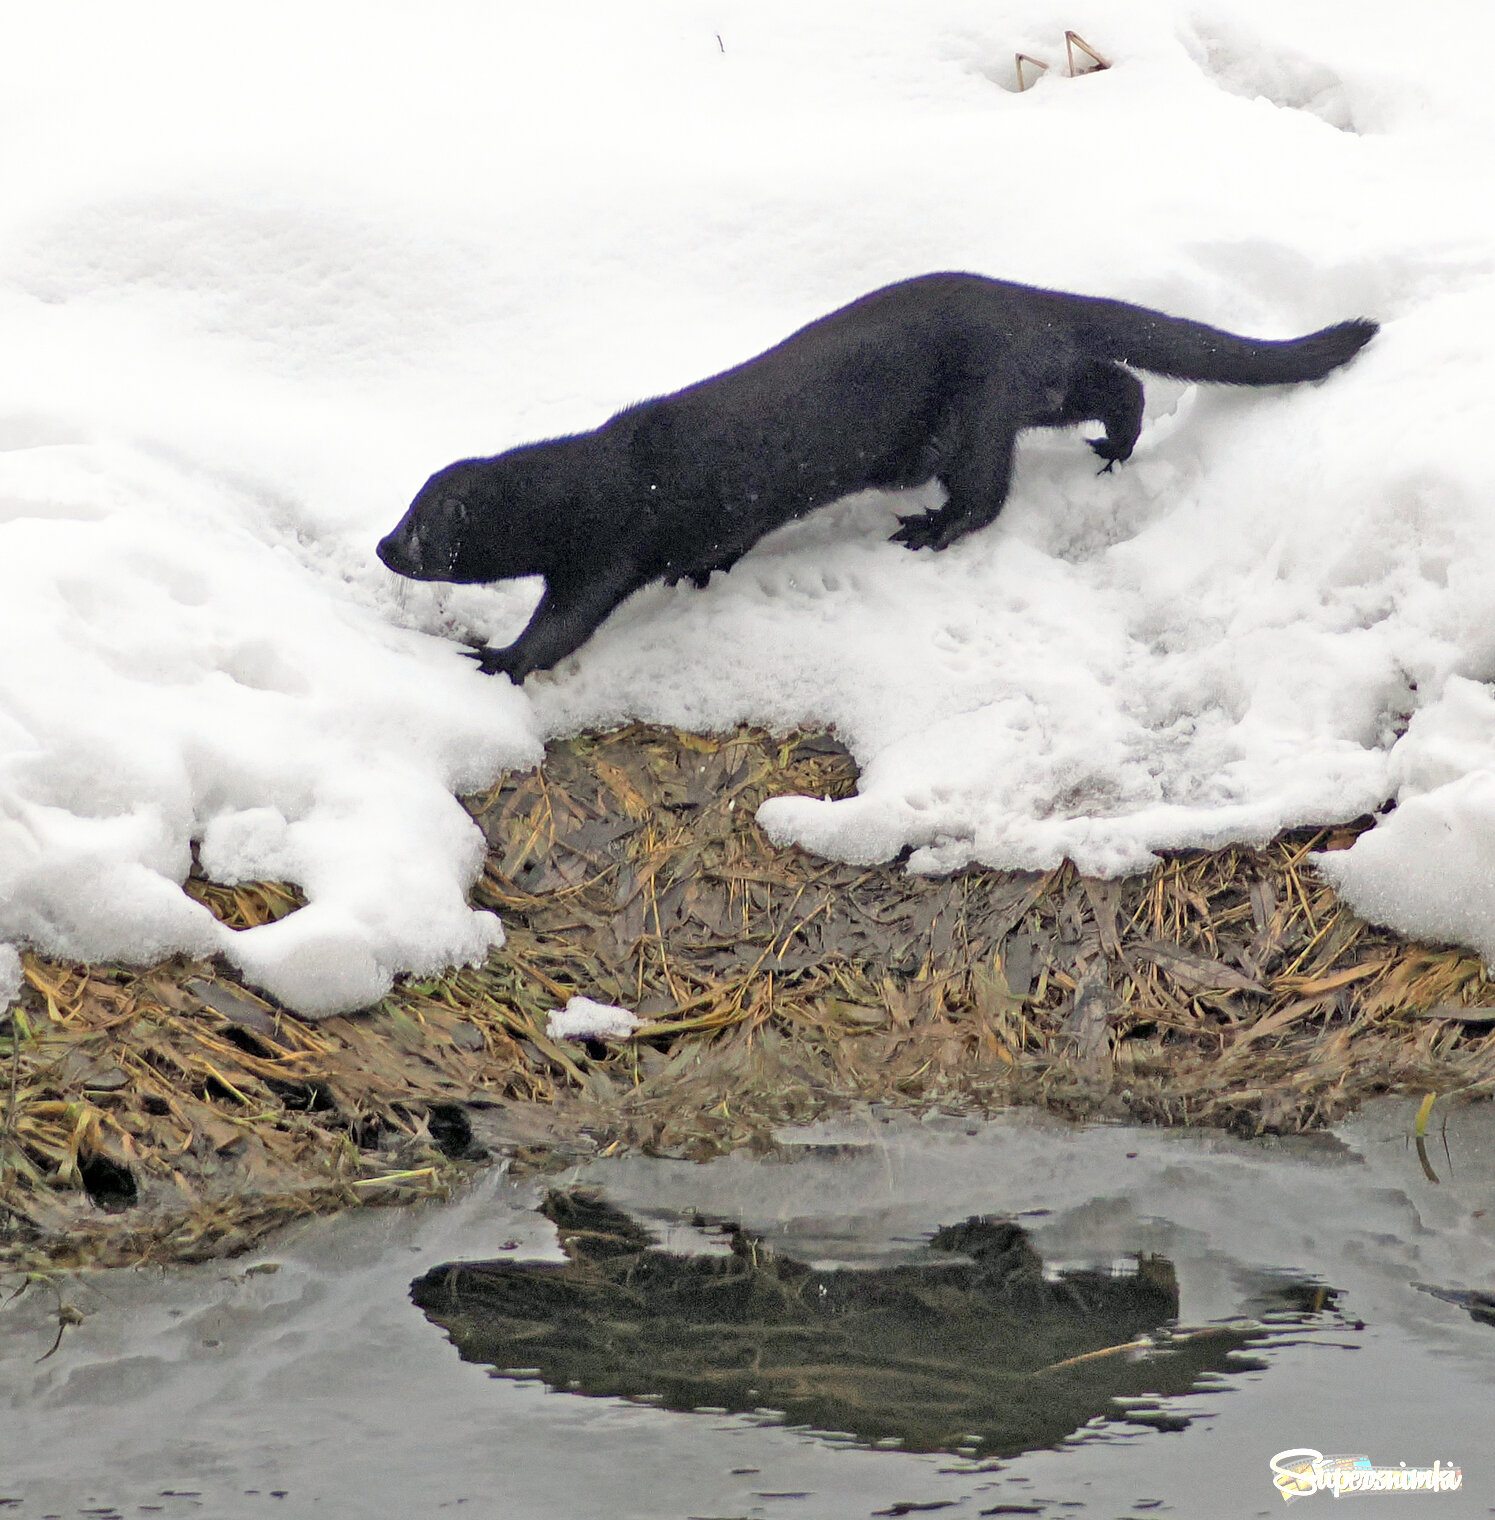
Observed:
{"x":248,"y":308}
{"x":584,"y":1019}
{"x":10,"y":976}
{"x":1429,"y":867}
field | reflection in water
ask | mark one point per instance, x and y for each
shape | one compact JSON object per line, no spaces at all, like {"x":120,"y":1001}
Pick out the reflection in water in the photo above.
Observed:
{"x":974,"y":1350}
{"x":1479,"y":1306}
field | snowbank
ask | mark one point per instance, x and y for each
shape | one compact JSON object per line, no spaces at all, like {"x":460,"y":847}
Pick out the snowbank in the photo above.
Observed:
{"x":262,"y":271}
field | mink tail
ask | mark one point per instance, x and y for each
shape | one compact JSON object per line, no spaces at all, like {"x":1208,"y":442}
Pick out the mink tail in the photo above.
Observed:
{"x":1186,"y":350}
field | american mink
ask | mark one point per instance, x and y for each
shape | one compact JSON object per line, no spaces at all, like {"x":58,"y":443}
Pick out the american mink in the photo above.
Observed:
{"x":931,"y":377}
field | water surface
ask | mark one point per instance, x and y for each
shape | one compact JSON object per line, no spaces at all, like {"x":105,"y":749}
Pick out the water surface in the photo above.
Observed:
{"x":1339,"y":1280}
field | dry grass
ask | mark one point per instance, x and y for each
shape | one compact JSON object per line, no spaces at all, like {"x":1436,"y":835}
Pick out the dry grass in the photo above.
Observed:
{"x":171,"y":1113}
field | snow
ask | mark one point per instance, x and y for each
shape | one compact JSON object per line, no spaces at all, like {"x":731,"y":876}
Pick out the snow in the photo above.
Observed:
{"x":10,"y":976}
{"x":585,"y":1019}
{"x":262,"y":272}
{"x":1430,"y":866}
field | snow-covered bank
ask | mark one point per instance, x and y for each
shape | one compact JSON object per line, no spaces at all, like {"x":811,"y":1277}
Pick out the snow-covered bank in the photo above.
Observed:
{"x":262,"y":271}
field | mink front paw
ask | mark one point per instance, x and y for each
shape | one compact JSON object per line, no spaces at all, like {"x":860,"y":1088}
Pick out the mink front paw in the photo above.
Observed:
{"x":921,"y":530}
{"x":495,"y":662}
{"x":1113,"y":453}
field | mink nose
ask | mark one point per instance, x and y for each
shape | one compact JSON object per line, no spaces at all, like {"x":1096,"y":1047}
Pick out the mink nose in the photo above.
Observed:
{"x":395,"y":553}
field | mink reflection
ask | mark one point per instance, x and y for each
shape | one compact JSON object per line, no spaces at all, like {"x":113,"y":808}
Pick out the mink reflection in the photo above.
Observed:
{"x":973,"y":1350}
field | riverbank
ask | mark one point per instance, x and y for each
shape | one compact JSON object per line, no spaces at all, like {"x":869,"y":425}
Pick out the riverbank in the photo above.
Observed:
{"x":172,"y":1113}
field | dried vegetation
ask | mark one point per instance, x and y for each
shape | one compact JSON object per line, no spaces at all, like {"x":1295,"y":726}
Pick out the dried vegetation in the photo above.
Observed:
{"x":172,"y":1113}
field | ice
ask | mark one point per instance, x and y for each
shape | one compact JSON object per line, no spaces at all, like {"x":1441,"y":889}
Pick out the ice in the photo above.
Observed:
{"x":261,"y":275}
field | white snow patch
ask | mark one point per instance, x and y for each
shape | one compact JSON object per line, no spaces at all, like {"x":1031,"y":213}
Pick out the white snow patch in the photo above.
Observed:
{"x":584,"y":1019}
{"x":10,"y":976}
{"x":1429,"y":868}
{"x":167,"y":675}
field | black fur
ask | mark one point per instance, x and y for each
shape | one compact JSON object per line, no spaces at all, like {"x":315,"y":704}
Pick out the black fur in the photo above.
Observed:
{"x":934,"y":376}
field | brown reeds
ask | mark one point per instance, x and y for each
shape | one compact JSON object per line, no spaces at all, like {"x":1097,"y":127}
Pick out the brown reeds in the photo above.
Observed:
{"x":173,"y":1113}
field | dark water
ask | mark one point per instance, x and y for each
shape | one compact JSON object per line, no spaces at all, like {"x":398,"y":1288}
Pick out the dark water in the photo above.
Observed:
{"x":887,"y":1318}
